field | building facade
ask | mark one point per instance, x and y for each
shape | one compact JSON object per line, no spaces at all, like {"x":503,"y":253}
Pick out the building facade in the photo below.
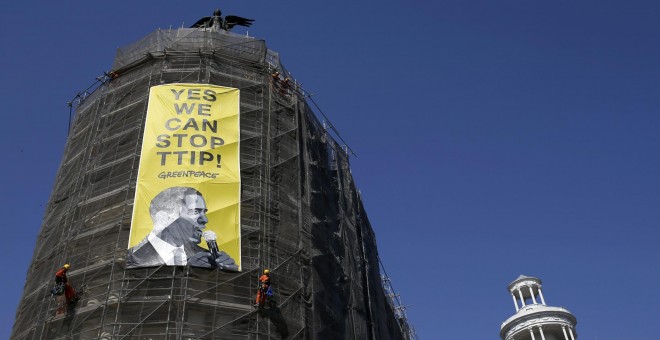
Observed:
{"x":301,"y":215}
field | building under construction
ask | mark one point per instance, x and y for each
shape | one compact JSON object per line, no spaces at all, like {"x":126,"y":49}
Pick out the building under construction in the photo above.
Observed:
{"x":301,"y":214}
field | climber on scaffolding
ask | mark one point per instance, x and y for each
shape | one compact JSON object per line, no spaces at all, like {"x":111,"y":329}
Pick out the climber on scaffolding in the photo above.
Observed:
{"x":264,"y":292}
{"x":62,"y":285}
{"x":276,"y":78}
{"x":285,"y":86}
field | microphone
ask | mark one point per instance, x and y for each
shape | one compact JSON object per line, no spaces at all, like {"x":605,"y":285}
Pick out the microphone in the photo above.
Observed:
{"x":210,"y":238}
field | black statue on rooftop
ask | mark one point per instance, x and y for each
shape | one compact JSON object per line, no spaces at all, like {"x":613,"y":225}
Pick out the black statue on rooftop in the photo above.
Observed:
{"x":226,"y":23}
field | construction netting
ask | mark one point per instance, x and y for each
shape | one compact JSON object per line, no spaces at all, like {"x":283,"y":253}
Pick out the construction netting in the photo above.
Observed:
{"x":301,"y":215}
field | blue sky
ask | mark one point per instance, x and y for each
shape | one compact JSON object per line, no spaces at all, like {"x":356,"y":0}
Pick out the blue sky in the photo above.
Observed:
{"x":494,"y":138}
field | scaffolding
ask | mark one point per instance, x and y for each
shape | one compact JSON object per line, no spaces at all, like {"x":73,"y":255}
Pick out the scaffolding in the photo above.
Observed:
{"x":302,"y":216}
{"x":397,"y":306}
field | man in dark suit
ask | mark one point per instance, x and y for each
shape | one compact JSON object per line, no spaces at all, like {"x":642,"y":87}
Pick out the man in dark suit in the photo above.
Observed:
{"x":179,"y":216}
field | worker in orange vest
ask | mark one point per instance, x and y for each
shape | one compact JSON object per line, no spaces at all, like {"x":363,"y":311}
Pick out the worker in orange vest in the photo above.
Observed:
{"x":264,"y":290}
{"x":286,"y":85}
{"x":275,"y":77}
{"x":61,"y":279}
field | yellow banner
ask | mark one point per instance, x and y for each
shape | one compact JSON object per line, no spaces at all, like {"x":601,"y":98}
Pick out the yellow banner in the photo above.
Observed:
{"x":187,"y":199}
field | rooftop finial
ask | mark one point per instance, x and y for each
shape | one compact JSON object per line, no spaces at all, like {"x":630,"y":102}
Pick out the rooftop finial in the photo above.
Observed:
{"x":217,"y":22}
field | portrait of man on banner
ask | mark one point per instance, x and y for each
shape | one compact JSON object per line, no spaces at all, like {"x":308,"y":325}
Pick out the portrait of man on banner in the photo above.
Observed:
{"x":179,"y":219}
{"x":187,"y":206}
